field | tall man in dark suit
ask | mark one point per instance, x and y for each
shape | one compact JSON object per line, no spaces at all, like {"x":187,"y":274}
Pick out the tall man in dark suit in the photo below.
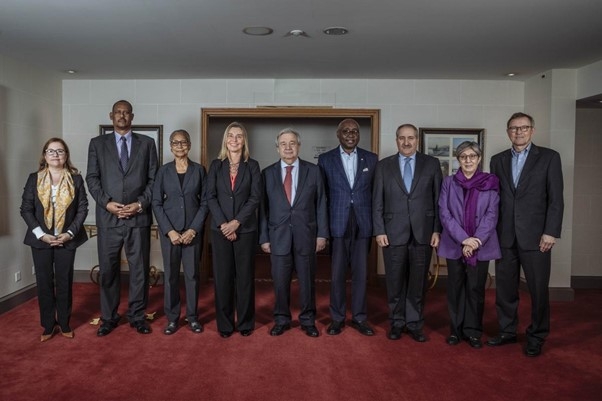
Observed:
{"x":293,"y":227}
{"x":531,"y":208}
{"x":348,"y":173}
{"x":406,"y":226}
{"x":120,"y":176}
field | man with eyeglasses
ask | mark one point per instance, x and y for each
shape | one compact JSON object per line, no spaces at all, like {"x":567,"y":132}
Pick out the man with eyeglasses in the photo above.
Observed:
{"x":530,"y":220}
{"x":121,"y":171}
{"x":348,"y":174}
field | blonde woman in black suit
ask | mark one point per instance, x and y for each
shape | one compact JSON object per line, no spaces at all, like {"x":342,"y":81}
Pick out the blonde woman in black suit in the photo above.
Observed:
{"x":233,"y":195}
{"x":180,"y":210}
{"x":54,"y":206}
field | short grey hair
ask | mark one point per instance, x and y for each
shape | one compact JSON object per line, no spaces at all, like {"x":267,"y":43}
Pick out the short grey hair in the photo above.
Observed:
{"x":468,"y":145}
{"x":288,"y":131}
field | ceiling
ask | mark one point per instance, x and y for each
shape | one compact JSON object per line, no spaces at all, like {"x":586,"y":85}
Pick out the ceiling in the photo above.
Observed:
{"x":405,"y":39}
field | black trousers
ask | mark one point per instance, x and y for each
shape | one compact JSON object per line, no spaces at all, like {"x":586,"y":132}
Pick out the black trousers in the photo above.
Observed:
{"x":234,"y":281}
{"x":188,"y":257}
{"x":54,"y":278}
{"x":537,"y":267}
{"x":466,"y":297}
{"x":136,"y":242}
{"x":349,"y":251}
{"x":406,"y":273}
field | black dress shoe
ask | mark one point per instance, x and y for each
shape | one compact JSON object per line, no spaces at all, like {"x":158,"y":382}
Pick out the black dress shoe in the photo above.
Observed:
{"x":334,"y":328}
{"x":246,"y":333}
{"x":310,"y":330}
{"x":501,"y":339}
{"x":225,"y":334}
{"x":417,"y":335}
{"x":279,"y":329}
{"x":533,"y":349}
{"x":105,"y":329}
{"x":195,"y":327}
{"x":171,"y":328}
{"x":474,"y":342}
{"x":453,"y":340}
{"x":141,"y":327}
{"x":362,"y":327}
{"x":395,"y":333}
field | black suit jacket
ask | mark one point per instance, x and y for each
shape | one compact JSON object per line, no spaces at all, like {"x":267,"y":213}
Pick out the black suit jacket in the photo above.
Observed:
{"x":536,"y":205}
{"x":180,"y":207}
{"x":32,"y":212}
{"x":106,"y":182}
{"x":284,"y":225}
{"x":240,"y":203}
{"x":397,"y":213}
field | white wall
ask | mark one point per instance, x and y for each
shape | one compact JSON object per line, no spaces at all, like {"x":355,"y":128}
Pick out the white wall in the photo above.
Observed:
{"x":177,"y":104}
{"x":30,"y":114}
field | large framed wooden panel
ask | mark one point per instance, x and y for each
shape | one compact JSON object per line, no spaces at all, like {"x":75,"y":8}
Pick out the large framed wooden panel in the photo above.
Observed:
{"x":317,"y":127}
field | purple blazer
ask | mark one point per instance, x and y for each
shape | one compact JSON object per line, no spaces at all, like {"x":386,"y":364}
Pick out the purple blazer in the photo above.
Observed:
{"x":451,"y":214}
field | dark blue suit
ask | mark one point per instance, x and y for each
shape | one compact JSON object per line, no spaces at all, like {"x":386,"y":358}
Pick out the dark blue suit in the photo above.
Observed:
{"x":350,"y":216}
{"x":292,"y":231}
{"x":180,"y":207}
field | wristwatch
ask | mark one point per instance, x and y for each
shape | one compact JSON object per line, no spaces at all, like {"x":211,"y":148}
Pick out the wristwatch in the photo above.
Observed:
{"x":140,"y":207}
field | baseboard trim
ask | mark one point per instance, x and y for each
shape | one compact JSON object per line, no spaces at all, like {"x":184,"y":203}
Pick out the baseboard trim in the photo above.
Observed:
{"x":586,"y":282}
{"x":17,"y":298}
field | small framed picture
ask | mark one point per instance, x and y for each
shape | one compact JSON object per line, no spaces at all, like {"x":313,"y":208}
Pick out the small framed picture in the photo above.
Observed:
{"x":154,"y":131}
{"x":442,"y":143}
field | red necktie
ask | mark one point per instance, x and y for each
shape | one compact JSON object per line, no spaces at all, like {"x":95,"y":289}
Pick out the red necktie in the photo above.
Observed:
{"x":288,"y":184}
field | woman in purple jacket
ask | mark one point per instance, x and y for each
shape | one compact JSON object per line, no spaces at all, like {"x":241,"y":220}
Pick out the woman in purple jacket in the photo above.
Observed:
{"x":468,"y":209}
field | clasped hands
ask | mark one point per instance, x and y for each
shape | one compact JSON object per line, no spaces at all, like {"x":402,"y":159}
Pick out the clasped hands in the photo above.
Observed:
{"x":320,"y":245}
{"x":55,"y":240}
{"x":229,"y":229}
{"x":123,"y":211}
{"x":181,"y":239}
{"x":470,"y":245}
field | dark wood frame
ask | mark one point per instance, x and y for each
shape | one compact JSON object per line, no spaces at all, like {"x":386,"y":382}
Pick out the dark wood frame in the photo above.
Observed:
{"x":154,"y":131}
{"x":450,"y":137}
{"x":310,"y":113}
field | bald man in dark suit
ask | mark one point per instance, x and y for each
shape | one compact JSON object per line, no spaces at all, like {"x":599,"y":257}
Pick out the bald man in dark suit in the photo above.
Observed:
{"x":121,"y":171}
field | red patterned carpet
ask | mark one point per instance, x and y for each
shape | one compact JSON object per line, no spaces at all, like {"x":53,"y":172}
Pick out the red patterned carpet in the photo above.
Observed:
{"x":186,"y":366}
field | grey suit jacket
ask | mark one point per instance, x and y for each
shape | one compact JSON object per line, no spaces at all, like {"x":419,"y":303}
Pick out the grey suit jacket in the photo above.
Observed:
{"x":284,"y":225}
{"x":397,"y":213}
{"x":536,"y":205}
{"x":106,"y":182}
{"x":178,"y":207}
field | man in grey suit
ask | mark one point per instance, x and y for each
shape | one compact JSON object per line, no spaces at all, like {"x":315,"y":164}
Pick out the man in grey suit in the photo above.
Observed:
{"x":406,"y":226}
{"x":120,"y":176}
{"x":531,"y":208}
{"x":348,"y":172}
{"x":293,"y":227}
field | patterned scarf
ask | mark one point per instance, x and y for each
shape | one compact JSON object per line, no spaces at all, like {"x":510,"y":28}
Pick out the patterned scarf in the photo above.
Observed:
{"x":479,"y":182}
{"x":54,"y":214}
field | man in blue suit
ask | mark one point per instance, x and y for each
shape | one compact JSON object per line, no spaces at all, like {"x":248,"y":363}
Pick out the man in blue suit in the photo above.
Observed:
{"x":348,"y":174}
{"x":293,"y":227}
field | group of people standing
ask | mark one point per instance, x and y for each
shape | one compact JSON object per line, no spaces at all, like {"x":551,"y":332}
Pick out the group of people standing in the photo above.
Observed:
{"x":294,"y":209}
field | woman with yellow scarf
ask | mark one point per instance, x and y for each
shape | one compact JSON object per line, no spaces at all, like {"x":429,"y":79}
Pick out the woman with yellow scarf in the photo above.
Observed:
{"x":54,"y":206}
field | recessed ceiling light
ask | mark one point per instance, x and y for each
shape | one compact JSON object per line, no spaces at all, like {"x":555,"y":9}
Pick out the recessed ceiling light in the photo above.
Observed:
{"x":71,"y":72}
{"x":258,"y":30}
{"x":336,"y":30}
{"x":297,"y":32}
{"x":511,"y":74}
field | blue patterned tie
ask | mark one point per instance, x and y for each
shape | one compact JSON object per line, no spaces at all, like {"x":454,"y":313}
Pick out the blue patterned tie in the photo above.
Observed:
{"x":407,"y":174}
{"x":124,"y":157}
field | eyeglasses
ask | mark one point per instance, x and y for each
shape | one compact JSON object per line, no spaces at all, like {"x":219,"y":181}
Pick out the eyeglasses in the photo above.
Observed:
{"x":57,"y":152}
{"x":179,"y":143}
{"x":471,"y":157}
{"x":348,"y":132}
{"x":523,"y":128}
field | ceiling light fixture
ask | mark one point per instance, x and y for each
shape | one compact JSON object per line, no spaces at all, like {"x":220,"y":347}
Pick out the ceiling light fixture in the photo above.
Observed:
{"x":71,"y":72}
{"x":297,"y":33}
{"x":511,"y":74}
{"x":336,"y":30}
{"x":258,"y":30}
